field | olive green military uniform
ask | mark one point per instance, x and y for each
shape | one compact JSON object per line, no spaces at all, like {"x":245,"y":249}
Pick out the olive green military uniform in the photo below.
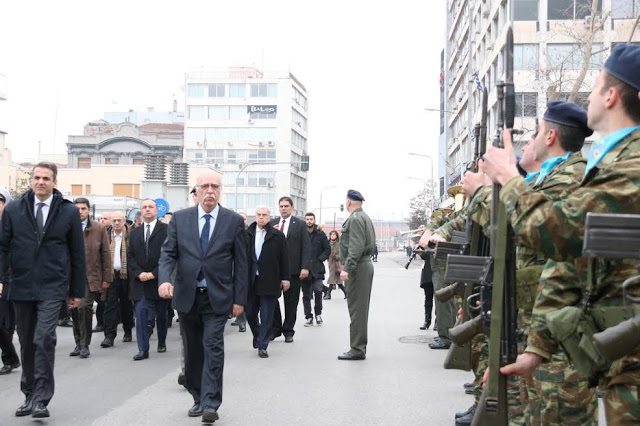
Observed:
{"x":356,"y":247}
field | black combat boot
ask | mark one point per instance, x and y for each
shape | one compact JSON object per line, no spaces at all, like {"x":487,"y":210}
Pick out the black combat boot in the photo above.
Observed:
{"x":427,"y":322}
{"x":467,"y":418}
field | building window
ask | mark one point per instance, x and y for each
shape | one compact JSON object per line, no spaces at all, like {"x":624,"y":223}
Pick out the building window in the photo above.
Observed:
{"x":197,"y":112}
{"x":261,"y":156}
{"x":571,"y":56}
{"x":76,"y":190}
{"x":298,"y":140}
{"x":237,"y":113}
{"x":262,"y":116}
{"x":525,"y":57}
{"x":215,"y":156}
{"x":261,"y":178}
{"x":625,"y":9}
{"x":87,"y":189}
{"x":194,"y":134}
{"x":264,"y":90}
{"x":112,"y":160}
{"x":216,"y":90}
{"x":84,"y":162}
{"x":196,"y":90}
{"x":570,"y":9}
{"x":525,"y":10}
{"x":526,"y":104}
{"x":126,"y":190}
{"x":237,"y":90}
{"x":581,"y":99}
{"x":262,"y":134}
{"x":138,"y":161}
{"x":218,"y":113}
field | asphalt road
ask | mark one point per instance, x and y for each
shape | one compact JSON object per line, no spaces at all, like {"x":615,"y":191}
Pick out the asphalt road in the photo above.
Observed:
{"x":302,"y":383}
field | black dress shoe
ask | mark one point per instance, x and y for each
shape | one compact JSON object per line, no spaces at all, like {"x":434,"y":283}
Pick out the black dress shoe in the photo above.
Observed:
{"x":107,"y":343}
{"x":350,"y":356}
{"x":98,"y":329}
{"x":162,"y":348}
{"x":262,"y":353}
{"x":255,"y":343}
{"x":182,"y":380}
{"x":40,"y":410}
{"x":288,"y":339}
{"x":439,"y":344}
{"x":141,"y":355}
{"x":75,"y":352}
{"x":25,"y":409}
{"x":84,"y":352}
{"x":464,"y":413}
{"x":127,"y":337}
{"x":196,"y":410}
{"x":8,"y":368}
{"x":65,"y":323}
{"x":209,"y":415}
{"x":234,"y":322}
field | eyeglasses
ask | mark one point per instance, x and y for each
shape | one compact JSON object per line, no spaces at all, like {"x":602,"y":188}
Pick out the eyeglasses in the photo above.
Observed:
{"x":117,"y":220}
{"x":206,"y":186}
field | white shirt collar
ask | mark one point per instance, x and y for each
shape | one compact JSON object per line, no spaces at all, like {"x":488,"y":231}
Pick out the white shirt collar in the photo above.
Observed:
{"x":214,"y":212}
{"x":152,"y":223}
{"x":46,"y":202}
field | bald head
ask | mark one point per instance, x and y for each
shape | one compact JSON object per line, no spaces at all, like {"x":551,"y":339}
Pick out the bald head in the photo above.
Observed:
{"x":117,"y":222}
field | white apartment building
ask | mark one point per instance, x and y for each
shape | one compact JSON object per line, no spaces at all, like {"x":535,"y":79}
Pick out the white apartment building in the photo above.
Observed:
{"x":550,"y":38}
{"x":252,"y":126}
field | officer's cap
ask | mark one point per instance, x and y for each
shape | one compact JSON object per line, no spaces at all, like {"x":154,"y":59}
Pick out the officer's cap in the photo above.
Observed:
{"x":624,"y":63}
{"x":5,"y":195}
{"x":354,"y":195}
{"x":567,"y":114}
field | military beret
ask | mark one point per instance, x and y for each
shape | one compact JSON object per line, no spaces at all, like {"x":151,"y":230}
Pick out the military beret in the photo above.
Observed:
{"x":624,"y":63}
{"x":567,"y":114}
{"x":354,"y":195}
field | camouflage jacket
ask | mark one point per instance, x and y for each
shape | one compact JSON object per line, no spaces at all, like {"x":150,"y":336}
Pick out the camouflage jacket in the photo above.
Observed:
{"x":555,"y":227}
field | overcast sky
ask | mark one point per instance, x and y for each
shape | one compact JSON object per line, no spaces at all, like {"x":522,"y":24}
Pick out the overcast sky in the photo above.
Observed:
{"x":370,"y":69}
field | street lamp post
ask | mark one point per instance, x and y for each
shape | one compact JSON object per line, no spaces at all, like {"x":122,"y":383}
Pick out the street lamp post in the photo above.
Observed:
{"x":432,"y":177}
{"x":327,"y":187}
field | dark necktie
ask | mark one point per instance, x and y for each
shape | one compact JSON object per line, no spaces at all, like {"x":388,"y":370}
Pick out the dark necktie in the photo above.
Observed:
{"x":204,"y":235}
{"x":146,"y":239}
{"x":40,"y":220}
{"x":282,"y":226}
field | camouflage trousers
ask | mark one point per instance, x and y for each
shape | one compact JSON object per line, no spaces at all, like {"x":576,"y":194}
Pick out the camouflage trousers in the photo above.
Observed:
{"x":559,"y":395}
{"x":479,"y":362}
{"x":622,"y":404}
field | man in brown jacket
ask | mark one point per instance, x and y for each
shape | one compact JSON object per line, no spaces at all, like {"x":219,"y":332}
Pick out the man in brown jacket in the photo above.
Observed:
{"x":99,"y":275}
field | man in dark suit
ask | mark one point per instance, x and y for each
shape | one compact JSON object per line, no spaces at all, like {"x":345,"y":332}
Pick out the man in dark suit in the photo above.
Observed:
{"x":41,"y":241}
{"x":143,"y":257}
{"x":207,"y":244}
{"x":268,"y":276}
{"x":299,"y":247}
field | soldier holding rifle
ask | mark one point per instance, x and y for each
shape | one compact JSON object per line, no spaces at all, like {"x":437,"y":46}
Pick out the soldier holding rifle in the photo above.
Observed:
{"x":555,"y":227}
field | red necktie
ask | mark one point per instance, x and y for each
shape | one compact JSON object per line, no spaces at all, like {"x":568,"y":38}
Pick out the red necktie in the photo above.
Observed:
{"x":282,"y":226}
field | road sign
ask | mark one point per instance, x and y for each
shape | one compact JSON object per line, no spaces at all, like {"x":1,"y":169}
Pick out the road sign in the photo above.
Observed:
{"x":163,"y":206}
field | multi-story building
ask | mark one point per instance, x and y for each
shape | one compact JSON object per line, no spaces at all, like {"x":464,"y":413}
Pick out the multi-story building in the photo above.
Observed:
{"x":124,"y":143}
{"x":551,"y":40}
{"x":145,"y":117}
{"x":252,"y":126}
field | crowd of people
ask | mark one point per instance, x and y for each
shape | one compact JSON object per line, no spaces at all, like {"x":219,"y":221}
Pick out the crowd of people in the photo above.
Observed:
{"x":205,"y":262}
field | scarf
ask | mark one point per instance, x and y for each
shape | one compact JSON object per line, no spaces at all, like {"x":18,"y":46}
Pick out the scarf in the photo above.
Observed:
{"x":123,"y":251}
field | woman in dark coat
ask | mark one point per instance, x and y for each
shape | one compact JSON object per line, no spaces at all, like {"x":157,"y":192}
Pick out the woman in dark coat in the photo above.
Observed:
{"x":335,"y":267}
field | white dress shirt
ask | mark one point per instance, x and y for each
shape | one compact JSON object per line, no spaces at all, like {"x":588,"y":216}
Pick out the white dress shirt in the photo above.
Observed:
{"x":117,"y":262}
{"x":287,"y":221}
{"x":260,"y":234}
{"x":152,"y":225}
{"x":212,"y":224}
{"x":45,"y":208}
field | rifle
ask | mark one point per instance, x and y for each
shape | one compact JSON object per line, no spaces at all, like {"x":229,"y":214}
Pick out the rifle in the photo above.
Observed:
{"x":459,"y":355}
{"x":616,"y":236}
{"x":492,"y":407}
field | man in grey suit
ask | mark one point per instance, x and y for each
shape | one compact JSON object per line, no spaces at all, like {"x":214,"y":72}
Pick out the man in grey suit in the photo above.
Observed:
{"x":207,"y":244}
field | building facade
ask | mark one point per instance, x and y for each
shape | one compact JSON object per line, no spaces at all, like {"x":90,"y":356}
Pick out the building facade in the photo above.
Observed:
{"x":551,"y":40}
{"x":252,"y":126}
{"x":124,"y":143}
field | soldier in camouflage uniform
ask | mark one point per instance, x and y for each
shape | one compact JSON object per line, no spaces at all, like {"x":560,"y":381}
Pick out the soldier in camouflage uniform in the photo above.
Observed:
{"x":556,"y":227}
{"x":356,"y":247}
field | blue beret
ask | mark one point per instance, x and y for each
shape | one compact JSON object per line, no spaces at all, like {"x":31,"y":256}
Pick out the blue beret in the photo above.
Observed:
{"x":354,"y":195}
{"x":624,"y":64}
{"x":567,"y":114}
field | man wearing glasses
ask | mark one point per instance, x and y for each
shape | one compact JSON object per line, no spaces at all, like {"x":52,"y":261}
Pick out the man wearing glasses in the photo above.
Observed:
{"x":207,"y":245}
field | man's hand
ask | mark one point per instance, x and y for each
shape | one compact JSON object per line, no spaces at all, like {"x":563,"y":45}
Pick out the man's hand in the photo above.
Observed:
{"x":284,"y":285}
{"x":165,"y":290}
{"x":304,"y":273}
{"x":105,"y":285}
{"x":437,"y":238}
{"x":344,"y":276}
{"x":237,"y":310}
{"x":525,"y":365}
{"x":1,"y":290}
{"x":424,"y":240}
{"x":500,"y":164}
{"x":472,"y":181}
{"x":73,"y":302}
{"x":143,"y":276}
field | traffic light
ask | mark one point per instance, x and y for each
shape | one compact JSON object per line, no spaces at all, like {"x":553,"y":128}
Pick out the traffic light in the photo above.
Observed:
{"x":341,"y":207}
{"x":304,"y":163}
